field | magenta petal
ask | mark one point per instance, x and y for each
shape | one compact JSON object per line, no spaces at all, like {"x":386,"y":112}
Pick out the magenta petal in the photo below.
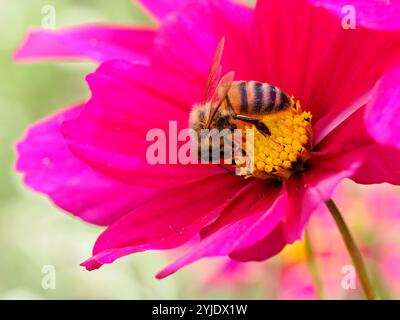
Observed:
{"x":380,"y":165}
{"x":98,"y":43}
{"x":252,"y":216}
{"x":168,"y":221}
{"x":263,"y":249}
{"x":254,"y":200}
{"x":326,"y":172}
{"x":317,"y":186}
{"x":348,"y":136}
{"x":351,"y":142}
{"x":304,"y":50}
{"x":308,"y":191}
{"x":127,"y":102}
{"x":186,"y":40}
{"x":160,"y":9}
{"x":250,"y":220}
{"x":49,"y":167}
{"x":305,"y":194}
{"x":383,"y":112}
{"x":382,"y":15}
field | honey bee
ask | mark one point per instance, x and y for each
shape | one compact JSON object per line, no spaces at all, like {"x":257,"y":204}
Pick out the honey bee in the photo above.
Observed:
{"x":233,"y":105}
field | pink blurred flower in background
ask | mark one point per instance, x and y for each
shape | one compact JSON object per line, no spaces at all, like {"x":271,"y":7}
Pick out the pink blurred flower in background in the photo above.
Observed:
{"x":373,"y":213}
{"x":90,"y":159}
{"x":384,"y":208}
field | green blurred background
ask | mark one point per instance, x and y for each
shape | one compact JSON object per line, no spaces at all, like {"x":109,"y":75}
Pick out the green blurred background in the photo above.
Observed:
{"x":34,"y":234}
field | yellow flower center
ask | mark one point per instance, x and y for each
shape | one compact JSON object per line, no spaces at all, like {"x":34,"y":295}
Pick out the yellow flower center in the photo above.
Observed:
{"x":286,"y":148}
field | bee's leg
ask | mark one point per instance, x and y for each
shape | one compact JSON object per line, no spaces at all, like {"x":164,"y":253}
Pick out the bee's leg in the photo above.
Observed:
{"x":256,"y":122}
{"x":227,"y":169}
{"x":246,"y":119}
{"x":231,"y":157}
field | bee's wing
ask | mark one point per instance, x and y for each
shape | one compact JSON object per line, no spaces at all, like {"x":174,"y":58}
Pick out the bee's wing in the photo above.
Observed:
{"x":215,"y":71}
{"x":219,"y":95}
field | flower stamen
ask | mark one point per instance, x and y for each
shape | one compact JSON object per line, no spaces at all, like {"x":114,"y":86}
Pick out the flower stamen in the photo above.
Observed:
{"x":286,"y":148}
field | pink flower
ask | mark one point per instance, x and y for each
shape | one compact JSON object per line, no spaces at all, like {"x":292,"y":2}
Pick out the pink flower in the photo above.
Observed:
{"x":91,"y":161}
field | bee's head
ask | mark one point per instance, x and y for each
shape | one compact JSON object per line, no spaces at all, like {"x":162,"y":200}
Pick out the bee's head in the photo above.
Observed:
{"x":201,"y":114}
{"x":210,"y":139}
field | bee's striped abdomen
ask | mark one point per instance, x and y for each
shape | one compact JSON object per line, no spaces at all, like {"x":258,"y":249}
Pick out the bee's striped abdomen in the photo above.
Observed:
{"x":237,"y":99}
{"x":244,"y":98}
{"x":256,"y":98}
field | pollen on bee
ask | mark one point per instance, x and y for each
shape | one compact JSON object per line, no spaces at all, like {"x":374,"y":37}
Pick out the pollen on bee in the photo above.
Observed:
{"x":288,"y":146}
